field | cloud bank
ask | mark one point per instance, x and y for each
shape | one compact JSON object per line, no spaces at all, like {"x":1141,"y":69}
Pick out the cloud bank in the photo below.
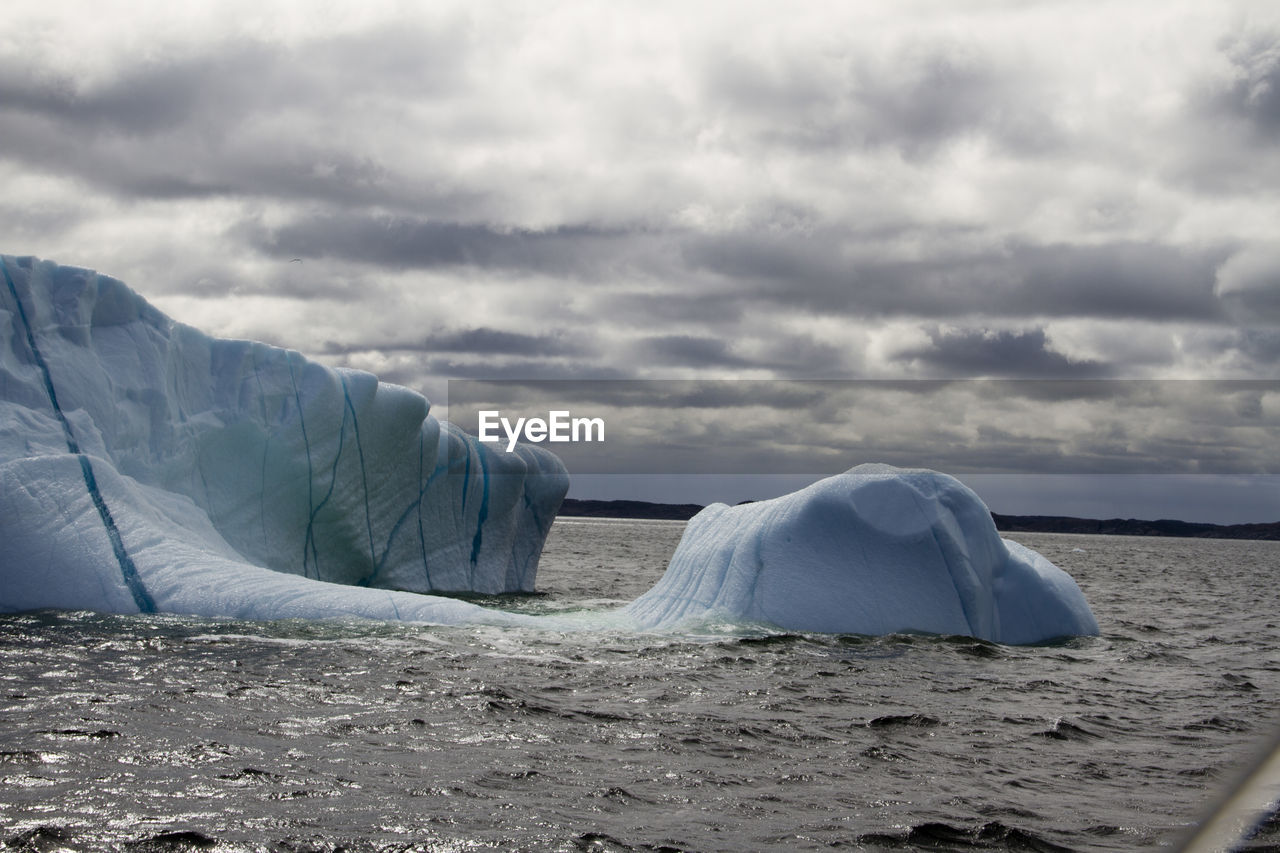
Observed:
{"x":835,"y":191}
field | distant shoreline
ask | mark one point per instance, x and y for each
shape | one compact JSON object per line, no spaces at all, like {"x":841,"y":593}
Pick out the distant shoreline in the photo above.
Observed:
{"x":574,"y":508}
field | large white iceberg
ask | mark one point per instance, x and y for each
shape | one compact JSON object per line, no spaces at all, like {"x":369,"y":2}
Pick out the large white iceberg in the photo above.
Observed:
{"x":149,"y":467}
{"x":876,"y":550}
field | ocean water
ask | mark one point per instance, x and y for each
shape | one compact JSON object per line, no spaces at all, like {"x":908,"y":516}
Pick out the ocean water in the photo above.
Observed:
{"x":170,"y":733}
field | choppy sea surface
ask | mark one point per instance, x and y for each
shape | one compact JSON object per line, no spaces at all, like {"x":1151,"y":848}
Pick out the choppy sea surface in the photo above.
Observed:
{"x":170,"y":733}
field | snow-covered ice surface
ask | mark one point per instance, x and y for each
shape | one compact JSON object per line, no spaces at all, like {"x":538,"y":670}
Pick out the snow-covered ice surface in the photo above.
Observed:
{"x":876,"y":550}
{"x":148,"y":467}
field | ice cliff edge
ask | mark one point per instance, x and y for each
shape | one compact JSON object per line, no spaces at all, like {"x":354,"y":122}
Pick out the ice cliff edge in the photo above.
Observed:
{"x":876,"y":550}
{"x":137,"y":454}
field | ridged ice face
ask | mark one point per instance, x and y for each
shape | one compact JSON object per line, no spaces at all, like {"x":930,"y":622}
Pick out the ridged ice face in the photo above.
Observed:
{"x":177,"y":448}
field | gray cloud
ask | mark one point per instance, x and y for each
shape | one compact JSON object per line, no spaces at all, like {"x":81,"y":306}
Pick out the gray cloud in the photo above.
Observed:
{"x":153,"y":97}
{"x":713,"y":305}
{"x":1249,"y":283}
{"x":801,"y":356}
{"x":520,"y":371}
{"x":479,"y":341}
{"x":682,"y":350}
{"x":1262,"y":346}
{"x":239,"y":116}
{"x":1253,"y":94}
{"x":392,"y":241}
{"x":1123,"y":279}
{"x":1001,"y":353}
{"x":916,"y":99}
{"x":491,"y":341}
{"x":228,"y":79}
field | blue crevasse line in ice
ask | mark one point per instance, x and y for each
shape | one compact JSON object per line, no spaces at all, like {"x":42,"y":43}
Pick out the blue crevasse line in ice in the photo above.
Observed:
{"x":466,"y":478}
{"x":461,"y":515}
{"x":482,"y":515}
{"x":379,"y":562}
{"x":128,"y":570}
{"x":72,"y":445}
{"x":204,"y":478}
{"x":364,"y":475}
{"x":531,"y":510}
{"x":758,"y":559}
{"x":422,"y":536}
{"x":309,"y":542}
{"x":266,"y":439}
{"x":414,"y":506}
{"x":333,"y":482}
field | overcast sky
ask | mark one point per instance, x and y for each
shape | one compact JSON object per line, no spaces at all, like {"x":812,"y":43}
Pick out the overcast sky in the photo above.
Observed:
{"x":1050,"y":190}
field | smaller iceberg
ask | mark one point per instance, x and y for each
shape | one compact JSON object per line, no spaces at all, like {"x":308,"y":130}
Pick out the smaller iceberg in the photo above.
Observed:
{"x":876,"y":550}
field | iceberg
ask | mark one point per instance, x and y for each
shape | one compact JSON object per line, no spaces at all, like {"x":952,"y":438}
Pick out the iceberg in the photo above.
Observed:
{"x":876,"y":550}
{"x":148,"y":467}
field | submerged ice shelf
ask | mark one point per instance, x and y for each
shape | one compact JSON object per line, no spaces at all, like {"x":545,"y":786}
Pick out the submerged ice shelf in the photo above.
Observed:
{"x":148,"y":467}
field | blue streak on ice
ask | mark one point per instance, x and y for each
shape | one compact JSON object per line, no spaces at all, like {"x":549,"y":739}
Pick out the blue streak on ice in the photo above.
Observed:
{"x":755,"y":581}
{"x":422,"y":536}
{"x":266,"y":441}
{"x":72,"y":445}
{"x":128,"y":570}
{"x":466,"y":478}
{"x":309,"y":548}
{"x":481,"y":517}
{"x":309,"y":542}
{"x":364,"y":476}
{"x":333,"y":482}
{"x":414,"y":506}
